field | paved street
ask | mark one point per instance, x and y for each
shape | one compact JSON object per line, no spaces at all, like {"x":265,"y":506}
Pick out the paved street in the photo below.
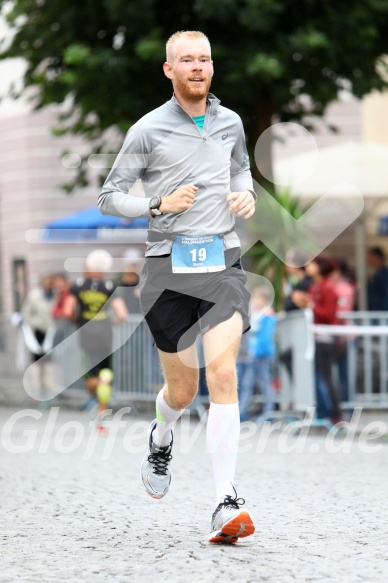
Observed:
{"x":82,"y":516}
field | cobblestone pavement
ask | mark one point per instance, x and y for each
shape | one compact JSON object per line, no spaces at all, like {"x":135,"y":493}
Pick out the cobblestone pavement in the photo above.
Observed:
{"x":82,"y":516}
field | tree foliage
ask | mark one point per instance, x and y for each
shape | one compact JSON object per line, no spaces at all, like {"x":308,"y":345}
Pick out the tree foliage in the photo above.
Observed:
{"x":272,"y":57}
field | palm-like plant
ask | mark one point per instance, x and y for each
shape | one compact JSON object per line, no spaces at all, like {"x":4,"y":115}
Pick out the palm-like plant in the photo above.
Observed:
{"x":280,"y":228}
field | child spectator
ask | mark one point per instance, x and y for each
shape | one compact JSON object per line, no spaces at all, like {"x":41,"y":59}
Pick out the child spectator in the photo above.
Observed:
{"x":260,"y":353}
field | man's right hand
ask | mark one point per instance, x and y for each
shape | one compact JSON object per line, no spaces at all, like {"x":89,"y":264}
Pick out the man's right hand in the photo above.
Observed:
{"x":180,"y":200}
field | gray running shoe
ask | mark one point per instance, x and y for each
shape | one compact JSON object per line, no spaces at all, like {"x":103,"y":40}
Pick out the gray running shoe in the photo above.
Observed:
{"x":154,"y":469}
{"x":229,"y":523}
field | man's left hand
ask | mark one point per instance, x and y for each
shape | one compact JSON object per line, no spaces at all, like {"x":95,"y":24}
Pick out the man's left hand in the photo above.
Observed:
{"x":241,"y":204}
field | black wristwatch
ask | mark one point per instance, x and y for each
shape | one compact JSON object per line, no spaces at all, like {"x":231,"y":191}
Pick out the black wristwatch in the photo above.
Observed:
{"x":155,"y":203}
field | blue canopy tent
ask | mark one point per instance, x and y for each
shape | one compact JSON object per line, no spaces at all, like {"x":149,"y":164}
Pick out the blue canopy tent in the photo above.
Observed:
{"x":90,"y":225}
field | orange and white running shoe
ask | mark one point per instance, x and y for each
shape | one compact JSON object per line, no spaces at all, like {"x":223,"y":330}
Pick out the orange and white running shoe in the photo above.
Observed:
{"x":229,"y":522}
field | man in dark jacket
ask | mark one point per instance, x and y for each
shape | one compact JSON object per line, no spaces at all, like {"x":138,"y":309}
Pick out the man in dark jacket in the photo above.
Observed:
{"x":378,"y":283}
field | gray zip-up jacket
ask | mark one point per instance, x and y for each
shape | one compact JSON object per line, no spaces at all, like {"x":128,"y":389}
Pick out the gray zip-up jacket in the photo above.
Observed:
{"x":166,"y":150}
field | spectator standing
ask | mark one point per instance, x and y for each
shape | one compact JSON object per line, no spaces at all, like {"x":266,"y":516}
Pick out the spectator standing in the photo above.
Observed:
{"x":36,"y":312}
{"x":322,"y":299}
{"x":297,"y":281}
{"x":378,"y":282}
{"x":260,"y":353}
{"x":38,"y":331}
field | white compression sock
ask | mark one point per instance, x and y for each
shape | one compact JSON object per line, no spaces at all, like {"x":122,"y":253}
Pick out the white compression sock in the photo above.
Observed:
{"x":222,"y":437}
{"x":166,"y":419}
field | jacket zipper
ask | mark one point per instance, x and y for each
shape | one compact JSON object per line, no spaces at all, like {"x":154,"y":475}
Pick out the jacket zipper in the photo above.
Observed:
{"x":205,"y":134}
{"x":204,"y":137}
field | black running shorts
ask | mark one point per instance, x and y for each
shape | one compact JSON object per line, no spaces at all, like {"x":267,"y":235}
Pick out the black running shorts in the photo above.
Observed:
{"x":178,"y":306}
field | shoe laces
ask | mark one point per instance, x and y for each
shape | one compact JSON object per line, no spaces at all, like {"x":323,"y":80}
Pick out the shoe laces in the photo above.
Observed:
{"x":230,"y":502}
{"x":160,"y":459}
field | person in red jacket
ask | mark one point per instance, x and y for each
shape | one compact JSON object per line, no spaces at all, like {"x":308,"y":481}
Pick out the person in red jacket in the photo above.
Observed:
{"x":322,"y":298}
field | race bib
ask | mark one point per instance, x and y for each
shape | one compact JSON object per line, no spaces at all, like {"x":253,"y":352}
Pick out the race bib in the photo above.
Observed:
{"x":197,"y":254}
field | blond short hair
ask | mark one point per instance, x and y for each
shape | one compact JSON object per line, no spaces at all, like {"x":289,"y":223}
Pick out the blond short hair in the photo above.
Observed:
{"x":191,"y":34}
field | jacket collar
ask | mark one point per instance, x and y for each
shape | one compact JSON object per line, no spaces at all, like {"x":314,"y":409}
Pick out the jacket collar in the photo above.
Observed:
{"x":212,"y":101}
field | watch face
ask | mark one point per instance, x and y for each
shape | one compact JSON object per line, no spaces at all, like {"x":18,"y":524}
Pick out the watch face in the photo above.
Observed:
{"x":155,"y":202}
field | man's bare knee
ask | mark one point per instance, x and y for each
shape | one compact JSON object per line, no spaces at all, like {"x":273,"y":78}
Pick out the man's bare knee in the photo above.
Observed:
{"x":181,"y":378}
{"x":221,"y":376}
{"x":222,"y":383}
{"x":181,"y":397}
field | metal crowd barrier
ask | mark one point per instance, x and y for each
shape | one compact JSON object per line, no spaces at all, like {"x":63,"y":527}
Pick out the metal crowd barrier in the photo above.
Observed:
{"x":11,"y":355}
{"x":295,"y":360}
{"x":365,"y":338}
{"x":138,"y":373}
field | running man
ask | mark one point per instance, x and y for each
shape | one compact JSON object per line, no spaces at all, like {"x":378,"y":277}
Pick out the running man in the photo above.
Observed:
{"x":86,"y":305}
{"x":191,"y":156}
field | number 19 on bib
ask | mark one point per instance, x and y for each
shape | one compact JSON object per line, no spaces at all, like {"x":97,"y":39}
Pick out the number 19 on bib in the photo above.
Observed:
{"x":197,"y":254}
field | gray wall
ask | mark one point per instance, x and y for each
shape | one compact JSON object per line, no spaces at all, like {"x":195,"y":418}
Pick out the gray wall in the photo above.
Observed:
{"x":31,"y":173}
